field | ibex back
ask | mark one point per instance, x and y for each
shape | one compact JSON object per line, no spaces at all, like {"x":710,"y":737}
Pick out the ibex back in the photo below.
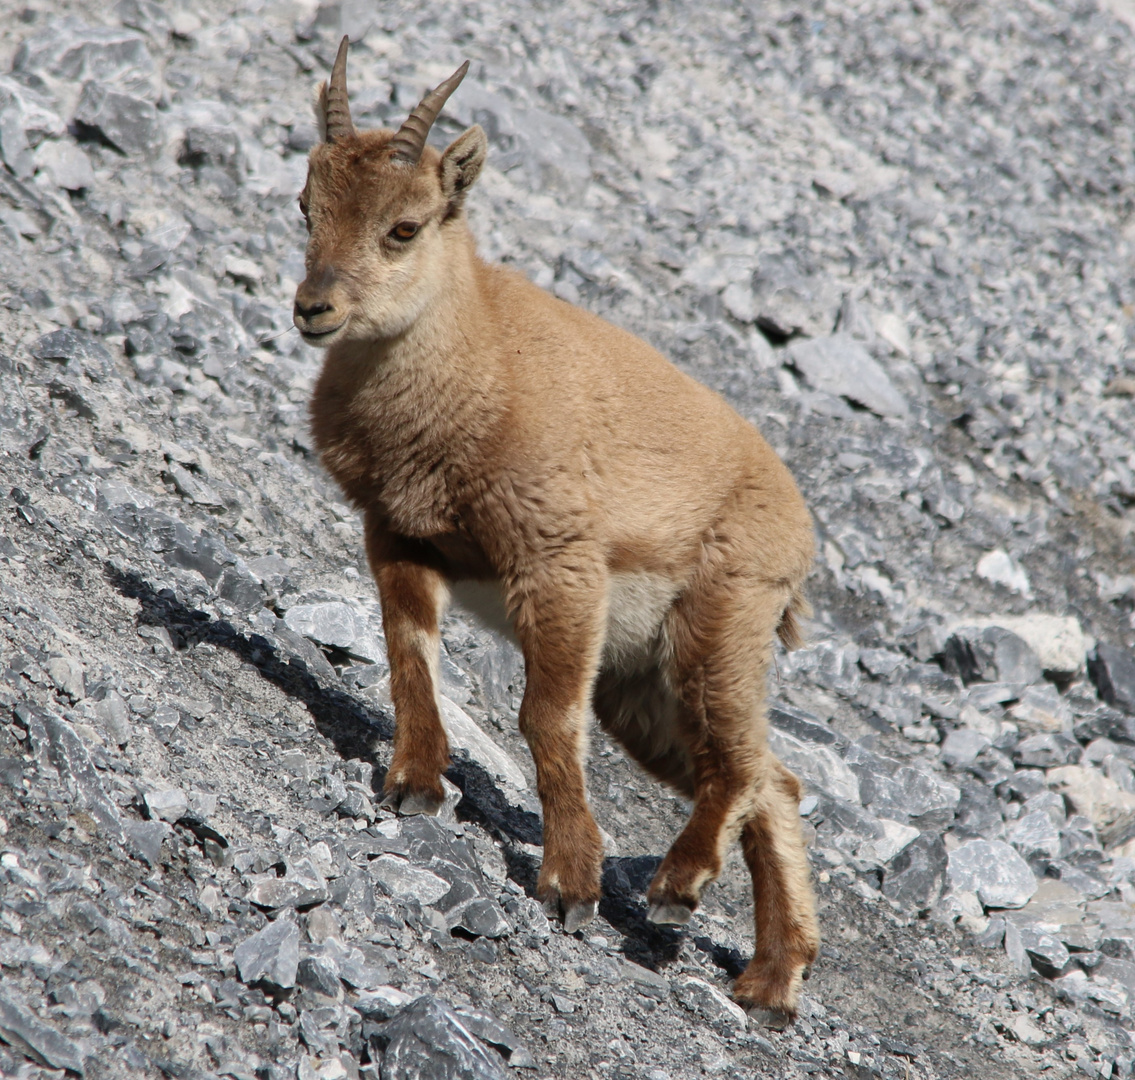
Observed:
{"x":643,"y":542}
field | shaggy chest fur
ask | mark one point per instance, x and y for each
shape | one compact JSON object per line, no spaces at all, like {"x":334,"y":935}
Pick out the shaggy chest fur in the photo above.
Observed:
{"x":386,"y":452}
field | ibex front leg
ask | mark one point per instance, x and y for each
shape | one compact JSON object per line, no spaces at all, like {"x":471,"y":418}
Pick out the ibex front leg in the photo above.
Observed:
{"x":561,"y":632}
{"x":413,"y":597}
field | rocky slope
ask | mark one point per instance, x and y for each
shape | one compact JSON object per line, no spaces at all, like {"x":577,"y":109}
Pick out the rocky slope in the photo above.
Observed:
{"x":897,"y":236}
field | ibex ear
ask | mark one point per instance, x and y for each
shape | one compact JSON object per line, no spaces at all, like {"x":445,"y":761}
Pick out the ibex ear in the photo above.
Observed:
{"x":461,"y":164}
{"x":319,"y":106}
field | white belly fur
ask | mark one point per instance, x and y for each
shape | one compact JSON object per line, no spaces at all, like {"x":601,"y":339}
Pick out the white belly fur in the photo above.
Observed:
{"x":637,"y":603}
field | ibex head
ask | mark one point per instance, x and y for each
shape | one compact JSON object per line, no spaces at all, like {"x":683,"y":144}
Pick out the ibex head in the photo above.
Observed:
{"x":381,"y":208}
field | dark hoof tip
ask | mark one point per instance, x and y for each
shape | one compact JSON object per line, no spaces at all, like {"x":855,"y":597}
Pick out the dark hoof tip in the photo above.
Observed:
{"x":577,"y":915}
{"x":773,"y":1019}
{"x":670,"y":914}
{"x":413,"y":803}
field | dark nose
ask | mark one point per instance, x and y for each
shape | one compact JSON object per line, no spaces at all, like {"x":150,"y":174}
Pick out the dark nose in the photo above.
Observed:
{"x":311,"y":310}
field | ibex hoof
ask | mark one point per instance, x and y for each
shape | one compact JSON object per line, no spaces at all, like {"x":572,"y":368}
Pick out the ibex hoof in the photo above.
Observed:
{"x":579,"y":914}
{"x":414,"y":802}
{"x":669,"y":914}
{"x":575,"y":915}
{"x":773,"y":1019}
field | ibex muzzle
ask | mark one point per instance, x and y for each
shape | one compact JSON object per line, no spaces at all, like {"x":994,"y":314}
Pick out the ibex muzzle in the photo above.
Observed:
{"x":642,"y":542}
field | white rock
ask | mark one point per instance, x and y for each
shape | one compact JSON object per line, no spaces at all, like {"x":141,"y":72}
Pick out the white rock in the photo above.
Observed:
{"x":464,"y":734}
{"x":999,"y":568}
{"x":883,"y":849}
{"x":840,"y":365}
{"x":1059,"y":641}
{"x":166,"y":804}
{"x":400,"y":879}
{"x":738,"y":301}
{"x":1091,"y":793}
{"x":893,"y":331}
{"x":817,"y":766}
{"x":66,"y":165}
{"x":993,"y":870}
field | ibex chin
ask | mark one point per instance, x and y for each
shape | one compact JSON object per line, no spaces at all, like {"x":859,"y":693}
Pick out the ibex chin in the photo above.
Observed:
{"x":641,"y":541}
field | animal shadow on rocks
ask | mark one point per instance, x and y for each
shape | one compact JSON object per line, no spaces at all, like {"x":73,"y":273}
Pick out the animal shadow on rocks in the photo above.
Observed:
{"x":351,"y":727}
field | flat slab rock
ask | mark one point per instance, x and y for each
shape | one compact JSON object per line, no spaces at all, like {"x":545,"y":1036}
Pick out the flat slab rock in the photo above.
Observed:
{"x":994,"y":871}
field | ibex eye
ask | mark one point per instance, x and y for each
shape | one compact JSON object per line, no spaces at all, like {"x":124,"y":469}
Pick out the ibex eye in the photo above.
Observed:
{"x":405,"y":230}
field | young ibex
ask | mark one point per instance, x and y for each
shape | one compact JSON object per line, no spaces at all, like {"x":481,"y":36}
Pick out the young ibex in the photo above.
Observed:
{"x":643,"y":542}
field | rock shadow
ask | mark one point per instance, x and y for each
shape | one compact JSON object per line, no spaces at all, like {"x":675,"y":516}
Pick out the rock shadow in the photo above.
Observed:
{"x":351,"y":727}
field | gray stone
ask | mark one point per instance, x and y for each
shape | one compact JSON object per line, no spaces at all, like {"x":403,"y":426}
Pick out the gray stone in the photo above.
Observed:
{"x":335,"y":624}
{"x":1035,"y":836}
{"x":145,"y":839}
{"x":979,"y":812}
{"x":114,"y":715}
{"x":789,"y":302}
{"x":916,"y":876}
{"x":22,"y":1029}
{"x":990,"y":654}
{"x":240,"y":589}
{"x":320,"y":976}
{"x":56,"y":742}
{"x":901,"y":792}
{"x":962,"y":746}
{"x":1048,"y":802}
{"x":66,"y":165}
{"x":710,"y":1004}
{"x":273,"y":954}
{"x":428,"y":1039}
{"x":818,"y":766}
{"x":1046,"y":750}
{"x":25,"y":118}
{"x":491,"y":1031}
{"x":166,"y":804}
{"x":399,"y":878}
{"x":840,"y":365}
{"x":69,"y":53}
{"x":127,"y":123}
{"x":465,"y":734}
{"x":218,"y":147}
{"x":164,"y":720}
{"x":1113,"y":671}
{"x":1044,"y":951}
{"x":301,"y":886}
{"x":994,"y":871}
{"x":1041,"y":708}
{"x":80,"y":352}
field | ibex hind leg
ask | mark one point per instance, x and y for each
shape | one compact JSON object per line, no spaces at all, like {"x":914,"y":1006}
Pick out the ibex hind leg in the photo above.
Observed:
{"x":787,"y":934}
{"x":640,"y":711}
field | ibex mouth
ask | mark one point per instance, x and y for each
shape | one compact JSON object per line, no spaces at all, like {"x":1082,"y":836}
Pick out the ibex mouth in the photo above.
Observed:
{"x":319,"y":337}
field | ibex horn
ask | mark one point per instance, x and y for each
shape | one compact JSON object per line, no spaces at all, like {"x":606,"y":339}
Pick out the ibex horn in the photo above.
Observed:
{"x":410,"y":139}
{"x":339,"y":125}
